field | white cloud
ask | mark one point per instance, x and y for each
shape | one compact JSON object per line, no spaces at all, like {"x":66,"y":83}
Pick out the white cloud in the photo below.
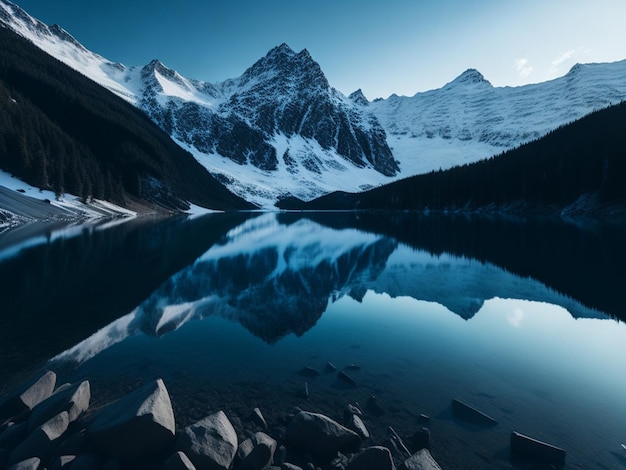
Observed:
{"x":560,"y":60}
{"x":523,"y":67}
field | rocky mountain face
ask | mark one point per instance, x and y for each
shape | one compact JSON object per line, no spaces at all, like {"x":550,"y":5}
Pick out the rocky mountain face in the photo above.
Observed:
{"x":283,"y":94}
{"x":280,"y":129}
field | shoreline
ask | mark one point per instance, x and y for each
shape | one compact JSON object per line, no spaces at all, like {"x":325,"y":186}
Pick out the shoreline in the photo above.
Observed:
{"x":325,"y":436}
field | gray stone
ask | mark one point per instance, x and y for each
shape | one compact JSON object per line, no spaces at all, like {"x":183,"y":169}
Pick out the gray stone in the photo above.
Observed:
{"x":71,"y":398}
{"x":421,"y":460}
{"x":244,"y":449}
{"x":137,"y":425}
{"x":356,"y":424}
{"x":29,"y":395}
{"x":43,"y":440}
{"x":210,"y":443}
{"x":320,"y":435}
{"x":372,"y":458}
{"x":258,"y":418}
{"x":350,"y":410}
{"x":262,"y":453}
{"x":179,"y":461}
{"x":28,"y":464}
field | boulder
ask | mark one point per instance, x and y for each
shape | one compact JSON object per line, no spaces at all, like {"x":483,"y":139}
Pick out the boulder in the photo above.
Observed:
{"x":261,"y":453}
{"x":258,"y":418}
{"x":210,"y":443}
{"x":527,"y":448}
{"x":372,"y":458}
{"x":421,"y":460}
{"x":43,"y":440}
{"x":468,"y":413}
{"x":28,"y":464}
{"x":178,"y":461}
{"x":320,"y":434}
{"x":29,"y":395}
{"x":356,"y":424}
{"x":137,"y":425}
{"x":71,"y":398}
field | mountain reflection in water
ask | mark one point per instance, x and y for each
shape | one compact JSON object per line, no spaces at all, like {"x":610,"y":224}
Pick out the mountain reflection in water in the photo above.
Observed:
{"x":275,"y":275}
{"x":228,"y":309}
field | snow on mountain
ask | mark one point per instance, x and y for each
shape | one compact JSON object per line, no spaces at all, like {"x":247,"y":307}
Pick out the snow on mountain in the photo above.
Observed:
{"x":280,"y":129}
{"x":468,"y":119}
{"x":277,"y":279}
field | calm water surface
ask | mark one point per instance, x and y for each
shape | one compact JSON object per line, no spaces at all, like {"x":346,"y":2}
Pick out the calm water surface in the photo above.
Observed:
{"x":229,"y":310}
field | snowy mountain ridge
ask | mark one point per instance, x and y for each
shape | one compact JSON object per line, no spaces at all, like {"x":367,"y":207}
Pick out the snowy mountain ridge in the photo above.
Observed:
{"x":280,"y":128}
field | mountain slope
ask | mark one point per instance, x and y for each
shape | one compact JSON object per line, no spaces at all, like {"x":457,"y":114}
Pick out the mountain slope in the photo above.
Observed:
{"x":469,"y":120}
{"x":281,"y":130}
{"x":578,"y":168}
{"x":64,"y":132}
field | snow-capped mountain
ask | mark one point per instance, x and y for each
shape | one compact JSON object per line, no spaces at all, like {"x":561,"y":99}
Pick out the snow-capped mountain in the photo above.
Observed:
{"x":468,"y":119}
{"x":281,"y":129}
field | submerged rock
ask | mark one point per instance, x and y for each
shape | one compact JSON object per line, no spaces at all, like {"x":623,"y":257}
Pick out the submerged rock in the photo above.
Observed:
{"x":139,"y":424}
{"x":531,"y":449}
{"x":210,"y":443}
{"x":320,"y":435}
{"x":472,"y":415}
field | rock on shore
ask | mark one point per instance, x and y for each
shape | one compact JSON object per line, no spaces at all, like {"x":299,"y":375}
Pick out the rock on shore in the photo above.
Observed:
{"x":57,"y":428}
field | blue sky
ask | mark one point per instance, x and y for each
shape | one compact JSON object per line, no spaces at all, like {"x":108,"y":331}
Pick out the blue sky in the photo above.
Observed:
{"x":382,"y":47}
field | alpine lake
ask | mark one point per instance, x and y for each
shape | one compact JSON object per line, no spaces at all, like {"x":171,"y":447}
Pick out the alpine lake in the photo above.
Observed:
{"x":520,"y":319}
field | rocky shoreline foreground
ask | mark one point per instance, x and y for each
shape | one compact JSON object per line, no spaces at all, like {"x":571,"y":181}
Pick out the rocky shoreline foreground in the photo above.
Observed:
{"x":46,"y":426}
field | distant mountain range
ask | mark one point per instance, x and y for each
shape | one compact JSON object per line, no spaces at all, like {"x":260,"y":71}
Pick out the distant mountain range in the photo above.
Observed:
{"x":281,"y":130}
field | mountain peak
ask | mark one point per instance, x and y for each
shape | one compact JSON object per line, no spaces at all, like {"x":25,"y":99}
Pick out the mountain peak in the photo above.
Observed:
{"x":284,"y":63}
{"x":359,"y":98}
{"x":470,"y":76}
{"x":280,"y":50}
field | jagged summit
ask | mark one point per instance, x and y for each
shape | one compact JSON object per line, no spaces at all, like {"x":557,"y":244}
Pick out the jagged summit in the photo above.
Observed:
{"x":283,"y":63}
{"x":359,"y":98}
{"x":470,"y":76}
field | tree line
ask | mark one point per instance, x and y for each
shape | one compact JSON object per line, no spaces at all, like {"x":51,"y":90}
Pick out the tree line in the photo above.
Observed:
{"x":586,"y":157}
{"x":61,"y":131}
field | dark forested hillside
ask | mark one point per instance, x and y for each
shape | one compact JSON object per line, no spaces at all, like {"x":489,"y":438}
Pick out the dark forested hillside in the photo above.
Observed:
{"x":586,"y":158}
{"x":61,"y":131}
